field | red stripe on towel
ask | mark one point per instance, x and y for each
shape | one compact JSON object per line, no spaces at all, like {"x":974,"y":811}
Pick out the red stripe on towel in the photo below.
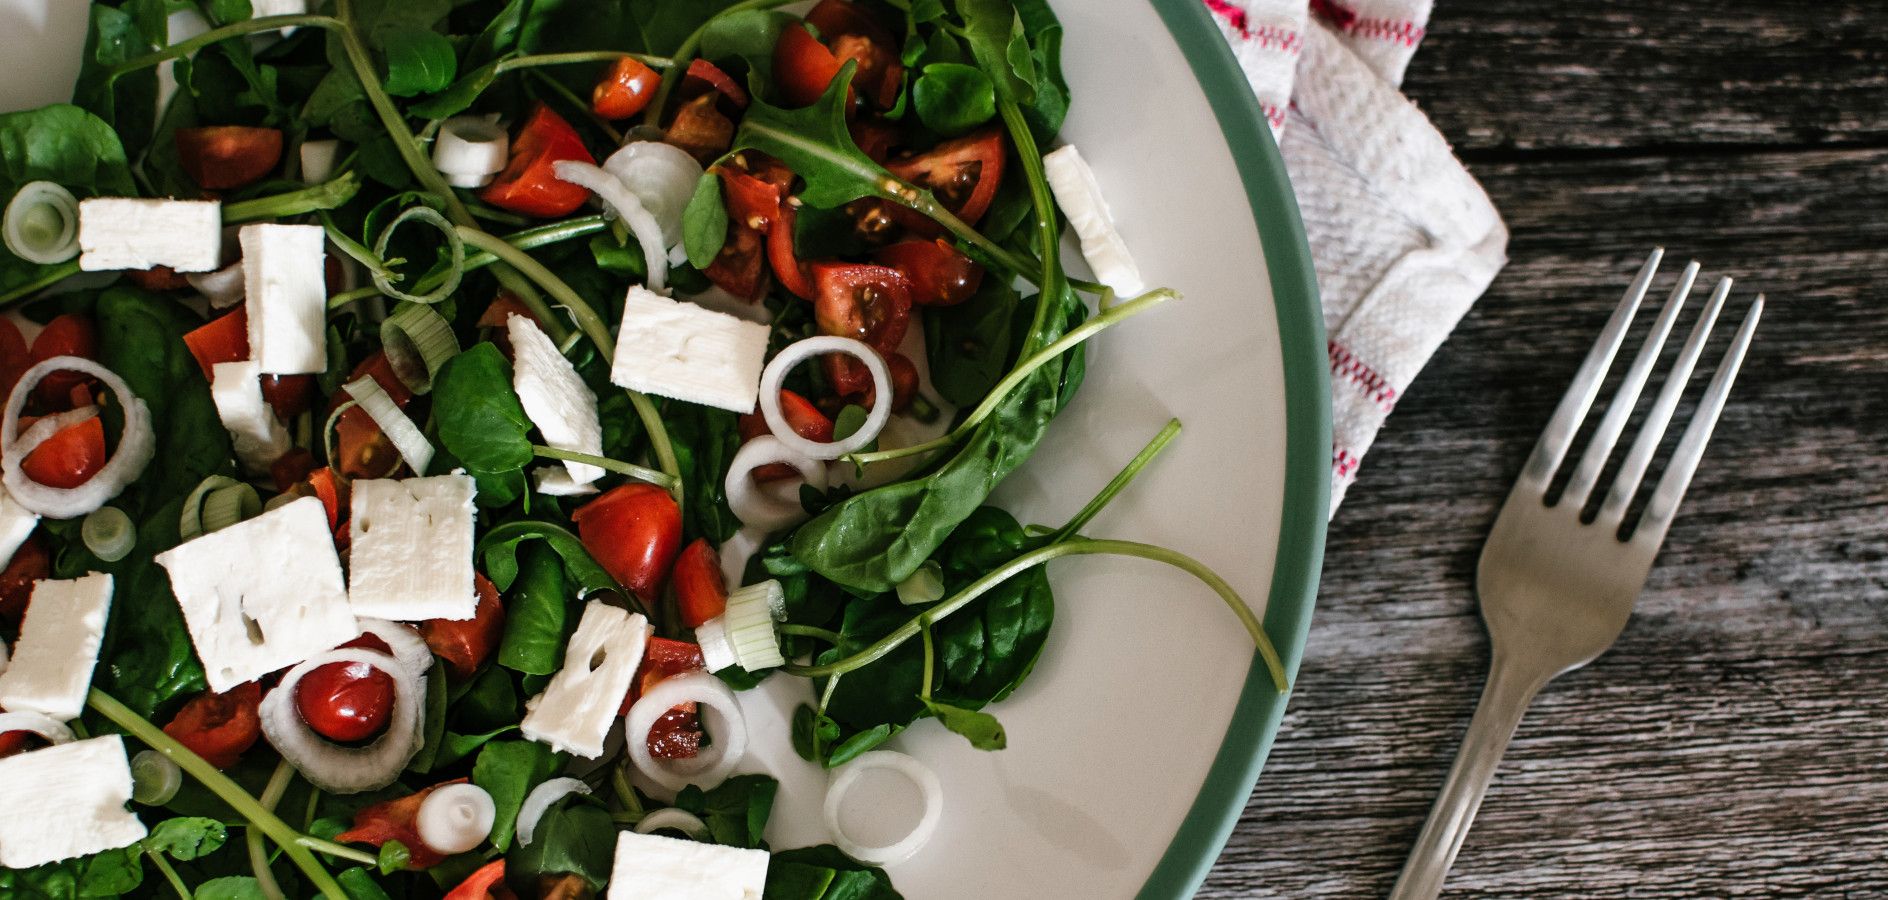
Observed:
{"x":1344,"y":464}
{"x":1346,"y":363}
{"x":1345,"y":19}
{"x":1284,"y":39}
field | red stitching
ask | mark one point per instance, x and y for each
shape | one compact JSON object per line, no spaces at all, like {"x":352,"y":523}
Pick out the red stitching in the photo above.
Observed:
{"x":1273,"y":115}
{"x":1333,"y":12}
{"x":1346,"y":363}
{"x":1345,"y":19}
{"x":1344,"y":462}
{"x":1284,"y":39}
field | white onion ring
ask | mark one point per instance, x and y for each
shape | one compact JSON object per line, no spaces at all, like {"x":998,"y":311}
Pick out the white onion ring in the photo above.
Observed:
{"x":760,"y":508}
{"x":43,"y":725}
{"x":223,"y":288}
{"x":406,"y":436}
{"x":920,"y":776}
{"x":136,"y":445}
{"x":798,"y":352}
{"x":662,"y":176}
{"x":676,"y":819}
{"x":455,"y":818}
{"x":407,"y":645}
{"x":616,"y":195}
{"x":738,"y":550}
{"x":540,"y":800}
{"x":330,"y":766}
{"x":712,"y":765}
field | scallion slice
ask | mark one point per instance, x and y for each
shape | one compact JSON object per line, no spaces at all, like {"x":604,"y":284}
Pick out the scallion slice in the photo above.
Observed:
{"x":454,"y":245}
{"x":417,"y":341}
{"x":108,"y":533}
{"x":154,"y":778}
{"x":225,"y":506}
{"x":406,"y":436}
{"x":42,"y":223}
{"x":744,"y":634}
{"x":190,"y":522}
{"x":923,"y":586}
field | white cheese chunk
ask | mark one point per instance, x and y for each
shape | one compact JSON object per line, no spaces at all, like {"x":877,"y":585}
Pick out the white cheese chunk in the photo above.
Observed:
{"x":58,"y":647}
{"x":262,"y":594}
{"x":675,"y":349}
{"x":318,"y":158}
{"x":66,"y":801}
{"x":256,"y":434}
{"x":410,"y":549}
{"x":576,"y":710}
{"x":133,"y":233}
{"x":656,"y":867}
{"x":260,"y":8}
{"x":287,"y":296}
{"x":554,"y":396}
{"x":1079,"y":195}
{"x":16,"y":524}
{"x":555,"y":481}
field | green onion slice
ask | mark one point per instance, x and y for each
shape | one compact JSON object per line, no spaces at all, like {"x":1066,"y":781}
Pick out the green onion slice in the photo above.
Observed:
{"x":108,"y":533}
{"x":454,"y":244}
{"x":418,"y":341}
{"x":226,"y":506}
{"x":190,"y":523}
{"x":923,"y":586}
{"x":42,"y":224}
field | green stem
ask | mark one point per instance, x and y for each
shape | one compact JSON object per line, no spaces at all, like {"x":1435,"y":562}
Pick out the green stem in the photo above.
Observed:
{"x":339,"y":851}
{"x":640,"y":473}
{"x":582,"y":56}
{"x":258,"y":853}
{"x":53,"y":276}
{"x":924,"y":687}
{"x":219,"y":784}
{"x":830,"y":637}
{"x":1023,"y":369}
{"x":1027,"y":561}
{"x":314,"y":198}
{"x":182,"y":49}
{"x":624,"y":791}
{"x":528,"y":239}
{"x":1047,"y":240}
{"x":678,"y":63}
{"x":170,"y":874}
{"x":1119,"y":482}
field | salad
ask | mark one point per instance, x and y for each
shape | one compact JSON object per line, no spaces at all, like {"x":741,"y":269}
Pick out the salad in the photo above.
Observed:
{"x":438,"y":415}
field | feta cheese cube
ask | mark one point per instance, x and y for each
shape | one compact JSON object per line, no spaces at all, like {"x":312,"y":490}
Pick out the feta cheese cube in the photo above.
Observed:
{"x":656,"y":867}
{"x":555,"y":481}
{"x":681,"y":350}
{"x":58,"y":647}
{"x":1079,"y":195}
{"x":285,"y":288}
{"x":66,"y":801}
{"x":554,"y":396}
{"x":577,"y":708}
{"x":410,"y":550}
{"x":261,"y":594}
{"x":16,"y":525}
{"x":133,"y":233}
{"x":257,"y":435}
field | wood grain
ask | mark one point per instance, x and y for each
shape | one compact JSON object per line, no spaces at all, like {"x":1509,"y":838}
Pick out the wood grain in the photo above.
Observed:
{"x":1735,"y":742}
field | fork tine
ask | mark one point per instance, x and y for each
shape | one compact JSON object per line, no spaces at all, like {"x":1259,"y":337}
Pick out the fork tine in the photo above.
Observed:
{"x":1626,"y":483}
{"x":1600,"y":447}
{"x":1558,"y":434}
{"x":1665,"y":499}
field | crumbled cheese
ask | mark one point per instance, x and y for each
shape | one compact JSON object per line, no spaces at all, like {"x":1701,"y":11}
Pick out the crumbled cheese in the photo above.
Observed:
{"x":410,"y":549}
{"x":256,"y":434}
{"x":286,"y":292}
{"x":554,"y":396}
{"x":58,"y":647}
{"x":680,"y":350}
{"x":66,"y":801}
{"x":134,"y":233}
{"x":1079,"y":195}
{"x":577,"y":708}
{"x":657,"y":867}
{"x":555,"y":481}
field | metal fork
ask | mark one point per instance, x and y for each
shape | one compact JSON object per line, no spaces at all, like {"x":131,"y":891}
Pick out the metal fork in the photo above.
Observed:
{"x":1556,"y":588}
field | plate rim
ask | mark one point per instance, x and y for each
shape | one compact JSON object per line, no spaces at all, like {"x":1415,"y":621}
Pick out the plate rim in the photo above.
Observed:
{"x":1298,"y":560}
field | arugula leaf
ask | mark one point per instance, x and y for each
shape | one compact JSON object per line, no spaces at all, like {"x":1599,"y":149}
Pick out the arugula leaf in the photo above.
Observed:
{"x":480,"y":419}
{"x":508,"y":770}
{"x":186,"y":837}
{"x":951,"y":98}
{"x":537,"y":614}
{"x":576,"y":836}
{"x":813,"y":141}
{"x":980,"y":728}
{"x":825,"y":873}
{"x":63,"y":144}
{"x":230,"y":887}
{"x":419,"y":60}
{"x":705,"y":222}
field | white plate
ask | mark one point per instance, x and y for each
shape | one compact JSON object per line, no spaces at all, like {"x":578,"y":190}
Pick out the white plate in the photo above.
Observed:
{"x":1135,"y":743}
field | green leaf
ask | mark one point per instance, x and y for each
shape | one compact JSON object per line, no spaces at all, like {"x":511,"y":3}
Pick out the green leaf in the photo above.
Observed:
{"x":869,"y":739}
{"x":230,"y":887}
{"x":705,"y":441}
{"x":970,"y":345}
{"x":749,"y":35}
{"x":479,"y":417}
{"x":223,"y":12}
{"x":67,"y":146}
{"x":825,"y":873}
{"x":455,"y":746}
{"x":361,"y":884}
{"x":995,"y":38}
{"x":952,"y":99}
{"x":980,"y":728}
{"x":107,"y":874}
{"x":500,"y":34}
{"x":489,"y":702}
{"x":393,"y":857}
{"x":814,"y":143}
{"x":508,"y":770}
{"x":186,"y":837}
{"x":460,"y":97}
{"x":705,"y":222}
{"x":499,"y":550}
{"x":576,"y":836}
{"x":419,"y":60}
{"x":736,"y":811}
{"x":538,"y":617}
{"x":126,"y":102}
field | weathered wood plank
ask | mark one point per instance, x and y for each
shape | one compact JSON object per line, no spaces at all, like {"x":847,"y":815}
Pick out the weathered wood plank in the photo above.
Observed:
{"x":1735,"y":742}
{"x":1532,"y":74}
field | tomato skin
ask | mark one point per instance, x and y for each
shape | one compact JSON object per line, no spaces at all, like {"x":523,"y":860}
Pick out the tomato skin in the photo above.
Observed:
{"x":488,"y":882}
{"x":30,"y":563}
{"x":12,"y":742}
{"x":397,"y":820}
{"x":361,"y":449}
{"x":803,"y":67}
{"x":158,"y":278}
{"x":700,"y":592}
{"x":528,"y":185}
{"x":677,"y":733}
{"x":866,"y":303}
{"x":288,"y":395}
{"x":347,"y":701}
{"x":634,"y":531}
{"x":963,"y":173}
{"x":802,"y":416}
{"x":70,"y":457}
{"x":739,"y":268}
{"x":69,"y":334}
{"x":939,"y":274}
{"x":784,"y":258}
{"x":15,"y":356}
{"x":700,"y":129}
{"x":854,"y":33}
{"x":220,"y":340}
{"x":705,"y":76}
{"x":625,"y":89}
{"x":465,"y":644}
{"x":219,"y":727}
{"x":875,"y":137}
{"x":223,"y":157}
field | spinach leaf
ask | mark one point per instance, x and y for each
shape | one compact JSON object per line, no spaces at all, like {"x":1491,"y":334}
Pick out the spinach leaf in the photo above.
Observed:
{"x":361,"y":884}
{"x":186,"y":837}
{"x":140,"y":336}
{"x":480,"y":419}
{"x":987,"y":648}
{"x":970,"y":345}
{"x":749,"y":35}
{"x":455,"y":746}
{"x":705,"y":222}
{"x":980,"y":728}
{"x":223,"y":12}
{"x":432,"y":721}
{"x":705,"y":441}
{"x":576,"y":836}
{"x":825,"y":873}
{"x":508,"y":770}
{"x":537,"y":613}
{"x":126,"y":102}
{"x":499,"y":550}
{"x":500,"y":33}
{"x":490,"y":702}
{"x":994,"y":34}
{"x":736,"y":811}
{"x":230,"y":887}
{"x":952,"y":98}
{"x":106,"y":874}
{"x":67,"y":146}
{"x":419,"y":60}
{"x":1051,"y":102}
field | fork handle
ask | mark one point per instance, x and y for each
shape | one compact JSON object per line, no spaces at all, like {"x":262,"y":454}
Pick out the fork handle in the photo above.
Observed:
{"x":1504,"y":699}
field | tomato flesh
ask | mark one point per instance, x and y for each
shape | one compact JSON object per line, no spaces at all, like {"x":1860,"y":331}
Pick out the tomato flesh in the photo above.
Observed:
{"x":528,"y":184}
{"x":705,"y":76}
{"x":15,"y":356}
{"x":347,"y":702}
{"x":487,"y":883}
{"x":803,"y":67}
{"x":753,"y":205}
{"x":676,"y":734}
{"x":802,"y":416}
{"x":69,"y":334}
{"x":634,"y":531}
{"x":865,"y":303}
{"x":939,"y":275}
{"x":31,"y":562}
{"x":361,"y":449}
{"x":220,"y":340}
{"x":963,"y":173}
{"x":465,"y":644}
{"x":625,"y":89}
{"x":70,"y":457}
{"x":158,"y":278}
{"x":219,"y":727}
{"x":700,"y":592}
{"x":223,"y":157}
{"x":855,"y":34}
{"x":700,"y":129}
{"x":397,"y":820}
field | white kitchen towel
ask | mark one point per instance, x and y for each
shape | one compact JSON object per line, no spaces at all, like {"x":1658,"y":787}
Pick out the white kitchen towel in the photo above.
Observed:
{"x":1403,"y":238}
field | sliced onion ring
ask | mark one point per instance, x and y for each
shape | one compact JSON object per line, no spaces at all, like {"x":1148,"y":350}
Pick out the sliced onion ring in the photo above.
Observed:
{"x":223,"y":288}
{"x":155,"y":779}
{"x":333,"y":767}
{"x":617,"y":196}
{"x":798,"y":352}
{"x":675,"y":819}
{"x":712,"y":765}
{"x":407,"y":645}
{"x":455,"y":818}
{"x":406,"y":436}
{"x":540,"y":800}
{"x":848,"y":778}
{"x":136,"y":445}
{"x":663,"y":178}
{"x":45,"y":726}
{"x":756,"y":506}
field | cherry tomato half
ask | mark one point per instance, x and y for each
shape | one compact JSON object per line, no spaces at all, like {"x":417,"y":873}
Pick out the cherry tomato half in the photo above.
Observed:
{"x":866,"y":303}
{"x":30,"y":563}
{"x":704,"y":77}
{"x":625,"y":89}
{"x":634,"y":531}
{"x":939,"y":275}
{"x":677,"y":733}
{"x":70,"y":457}
{"x":701,"y":129}
{"x":465,"y":643}
{"x":528,"y":184}
{"x":700,"y":592}
{"x":803,"y":67}
{"x":487,"y":883}
{"x":220,"y":340}
{"x":70,"y":334}
{"x":740,"y":267}
{"x":854,"y":33}
{"x":361,"y":449}
{"x":396,"y":820}
{"x":963,"y":173}
{"x":12,"y":742}
{"x":219,"y":727}
{"x":347,"y":701}
{"x":784,"y":257}
{"x":222,"y":157}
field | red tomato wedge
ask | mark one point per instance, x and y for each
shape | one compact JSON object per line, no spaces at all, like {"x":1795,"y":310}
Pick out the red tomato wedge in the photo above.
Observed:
{"x":625,"y":89}
{"x":802,"y":416}
{"x":866,"y":303}
{"x":223,"y":157}
{"x":70,"y":334}
{"x":487,"y":883}
{"x":963,"y":173}
{"x":528,"y":185}
{"x":219,"y":727}
{"x":70,"y":457}
{"x":700,"y":592}
{"x":466,"y":643}
{"x":704,"y":76}
{"x":803,"y":67}
{"x":939,"y":274}
{"x":396,"y":820}
{"x":854,"y":33}
{"x":220,"y":340}
{"x":634,"y":531}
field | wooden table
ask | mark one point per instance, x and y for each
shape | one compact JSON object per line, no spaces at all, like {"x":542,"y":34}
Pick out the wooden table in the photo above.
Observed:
{"x":1735,"y":741}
